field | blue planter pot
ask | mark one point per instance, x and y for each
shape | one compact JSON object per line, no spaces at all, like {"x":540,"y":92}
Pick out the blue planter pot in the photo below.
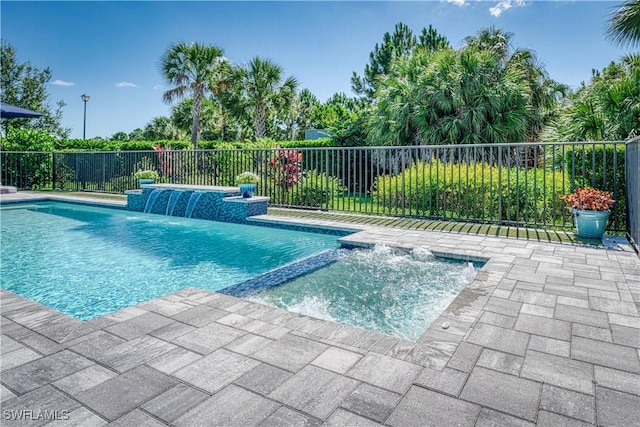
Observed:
{"x":590,"y":223}
{"x":146,"y":181}
{"x":247,"y":190}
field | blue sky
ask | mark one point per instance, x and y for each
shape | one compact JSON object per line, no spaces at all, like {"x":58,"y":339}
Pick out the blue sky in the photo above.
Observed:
{"x":111,"y":50}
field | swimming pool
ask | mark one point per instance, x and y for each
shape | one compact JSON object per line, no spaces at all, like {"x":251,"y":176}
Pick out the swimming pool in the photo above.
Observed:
{"x":385,"y":290}
{"x":88,"y":261}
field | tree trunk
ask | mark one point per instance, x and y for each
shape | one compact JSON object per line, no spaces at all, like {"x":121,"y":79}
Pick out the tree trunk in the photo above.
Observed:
{"x":195,"y":124}
{"x":259,"y":121}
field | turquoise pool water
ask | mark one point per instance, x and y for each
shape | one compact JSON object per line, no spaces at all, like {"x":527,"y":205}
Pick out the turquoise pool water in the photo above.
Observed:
{"x":383,"y":290}
{"x":88,"y":261}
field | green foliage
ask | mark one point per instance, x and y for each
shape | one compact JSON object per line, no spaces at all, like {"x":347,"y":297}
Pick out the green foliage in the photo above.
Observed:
{"x":400,"y":44}
{"x":307,"y":143}
{"x":114,"y":145}
{"x":18,"y":139}
{"x":625,"y":24}
{"x":162,"y":128}
{"x":247,"y":178}
{"x":30,"y":169}
{"x":483,"y":93}
{"x":120,"y":184}
{"x":258,"y":92}
{"x":266,"y":144}
{"x":477,"y":190}
{"x":315,"y":190}
{"x":24,"y":85}
{"x":605,"y":109}
{"x":449,"y":97}
{"x":120,"y":136}
{"x":136,"y":135}
{"x":192,"y":69}
{"x":146,"y":174}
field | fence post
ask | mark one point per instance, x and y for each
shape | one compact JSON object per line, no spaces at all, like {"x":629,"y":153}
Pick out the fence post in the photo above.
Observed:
{"x":53,"y":170}
{"x":499,"y":185}
{"x":632,"y":165}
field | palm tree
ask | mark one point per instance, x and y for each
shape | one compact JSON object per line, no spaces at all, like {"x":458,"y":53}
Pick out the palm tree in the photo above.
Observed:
{"x":450,"y":97}
{"x":625,"y":24}
{"x":162,"y":128}
{"x":191,"y":69}
{"x":259,"y":89}
{"x":493,"y":39}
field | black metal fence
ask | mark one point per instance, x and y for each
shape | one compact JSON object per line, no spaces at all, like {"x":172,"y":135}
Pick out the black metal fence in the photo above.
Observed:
{"x":633,"y":191}
{"x":509,"y":184}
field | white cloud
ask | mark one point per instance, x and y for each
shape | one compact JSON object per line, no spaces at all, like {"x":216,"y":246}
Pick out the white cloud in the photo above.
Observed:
{"x":458,"y":2}
{"x":156,"y":87}
{"x":504,"y":5}
{"x":125,"y":84}
{"x":62,"y":83}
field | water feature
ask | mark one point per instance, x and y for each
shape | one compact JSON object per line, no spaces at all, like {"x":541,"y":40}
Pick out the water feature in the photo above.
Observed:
{"x":383,"y":290}
{"x":193,"y":201}
{"x":151,"y":200}
{"x":175,"y":195}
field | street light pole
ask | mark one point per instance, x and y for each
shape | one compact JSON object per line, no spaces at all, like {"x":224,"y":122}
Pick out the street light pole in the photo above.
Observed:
{"x":85,"y":98}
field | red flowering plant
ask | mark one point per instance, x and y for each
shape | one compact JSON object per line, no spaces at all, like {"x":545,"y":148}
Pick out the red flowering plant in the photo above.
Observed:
{"x":286,"y":168}
{"x":589,"y":199}
{"x":164,"y":160}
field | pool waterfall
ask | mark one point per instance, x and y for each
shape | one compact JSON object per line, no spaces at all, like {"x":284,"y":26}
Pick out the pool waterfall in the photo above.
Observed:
{"x":196,"y":201}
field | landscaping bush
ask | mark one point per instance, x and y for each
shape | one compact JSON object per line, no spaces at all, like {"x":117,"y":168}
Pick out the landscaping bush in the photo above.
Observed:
{"x":315,"y":190}
{"x":30,"y":169}
{"x":265,"y":143}
{"x":99,"y":144}
{"x":120,"y":184}
{"x":452,"y":190}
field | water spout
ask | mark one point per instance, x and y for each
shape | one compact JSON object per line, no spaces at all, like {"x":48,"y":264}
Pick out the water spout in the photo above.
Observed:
{"x":151,"y":200}
{"x":175,"y":195}
{"x":193,"y":201}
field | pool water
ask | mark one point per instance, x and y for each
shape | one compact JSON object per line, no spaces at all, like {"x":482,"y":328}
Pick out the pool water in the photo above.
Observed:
{"x":88,"y":261}
{"x":381,"y":289}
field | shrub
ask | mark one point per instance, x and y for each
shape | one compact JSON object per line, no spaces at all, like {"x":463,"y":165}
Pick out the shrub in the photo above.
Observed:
{"x":285,"y":167}
{"x":265,"y":143}
{"x":315,"y":190}
{"x":453,"y":190}
{"x":120,"y":184}
{"x":27,"y":140}
{"x":111,"y":145}
{"x":31,"y":169}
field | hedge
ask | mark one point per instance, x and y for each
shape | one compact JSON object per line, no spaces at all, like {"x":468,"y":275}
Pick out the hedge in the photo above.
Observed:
{"x":266,"y":144}
{"x":452,"y":190}
{"x":107,"y":145}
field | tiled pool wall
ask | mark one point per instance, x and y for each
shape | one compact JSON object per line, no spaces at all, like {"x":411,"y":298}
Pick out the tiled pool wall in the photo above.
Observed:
{"x":281,"y":275}
{"x":210,"y":203}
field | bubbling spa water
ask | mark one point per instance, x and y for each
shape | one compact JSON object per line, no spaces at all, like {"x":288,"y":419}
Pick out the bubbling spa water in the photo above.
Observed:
{"x":381,"y":289}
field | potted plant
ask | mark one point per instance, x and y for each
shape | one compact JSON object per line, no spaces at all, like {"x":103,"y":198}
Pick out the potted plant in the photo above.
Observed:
{"x":248,"y":183}
{"x":146,"y":176}
{"x":590,"y":210}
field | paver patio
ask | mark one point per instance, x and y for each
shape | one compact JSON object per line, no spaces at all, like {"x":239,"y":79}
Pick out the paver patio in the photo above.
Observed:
{"x":547,"y":334}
